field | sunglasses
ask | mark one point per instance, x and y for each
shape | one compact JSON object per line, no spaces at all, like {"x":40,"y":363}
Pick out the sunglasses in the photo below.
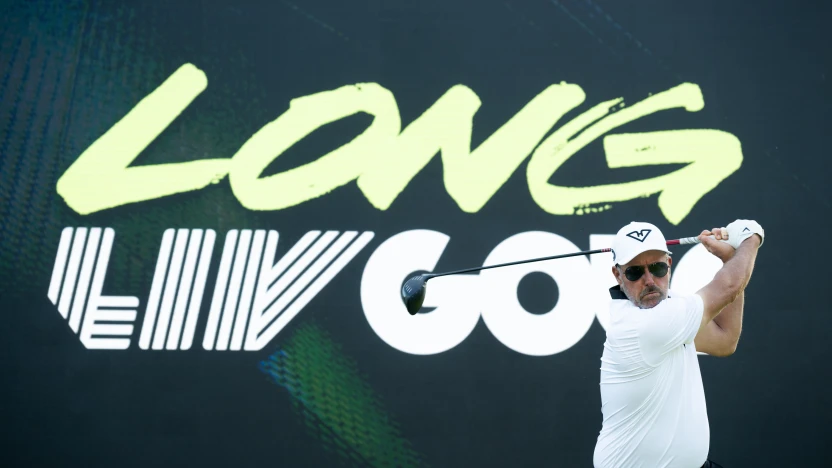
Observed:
{"x":634,"y":273}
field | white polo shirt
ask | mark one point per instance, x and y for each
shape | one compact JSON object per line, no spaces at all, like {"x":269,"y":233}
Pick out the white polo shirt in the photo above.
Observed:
{"x":652,"y":399}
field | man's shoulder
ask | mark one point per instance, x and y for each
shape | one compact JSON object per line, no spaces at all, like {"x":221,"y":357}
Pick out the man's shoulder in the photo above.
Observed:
{"x":679,"y":294}
{"x":681,"y":299}
{"x":677,"y":308}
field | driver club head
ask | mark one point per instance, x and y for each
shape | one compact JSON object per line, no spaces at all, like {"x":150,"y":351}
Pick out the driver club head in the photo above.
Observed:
{"x":413,"y":293}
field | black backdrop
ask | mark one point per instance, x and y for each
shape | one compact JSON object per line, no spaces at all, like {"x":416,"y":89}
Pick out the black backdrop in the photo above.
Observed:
{"x":327,"y":390}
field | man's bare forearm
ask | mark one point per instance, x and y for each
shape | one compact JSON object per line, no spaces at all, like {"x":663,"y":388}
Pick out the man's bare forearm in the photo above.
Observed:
{"x":736,"y":272}
{"x":730,"y":320}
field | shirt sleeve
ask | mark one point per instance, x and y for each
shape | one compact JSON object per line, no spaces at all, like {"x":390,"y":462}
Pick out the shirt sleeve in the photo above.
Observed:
{"x":669,"y":325}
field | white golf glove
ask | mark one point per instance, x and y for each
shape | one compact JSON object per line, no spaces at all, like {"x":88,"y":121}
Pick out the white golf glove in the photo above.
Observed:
{"x":742,"y":229}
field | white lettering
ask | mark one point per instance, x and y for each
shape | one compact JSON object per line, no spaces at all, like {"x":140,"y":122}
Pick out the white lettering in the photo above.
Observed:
{"x":78,"y":283}
{"x":457,"y":309}
{"x":602,"y":279}
{"x":694,"y":270}
{"x":182,"y":278}
{"x":264,"y":296}
{"x":583,"y":292}
{"x":545,"y":334}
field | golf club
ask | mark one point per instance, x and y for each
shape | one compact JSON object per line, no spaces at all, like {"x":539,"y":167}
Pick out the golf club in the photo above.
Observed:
{"x":413,"y":290}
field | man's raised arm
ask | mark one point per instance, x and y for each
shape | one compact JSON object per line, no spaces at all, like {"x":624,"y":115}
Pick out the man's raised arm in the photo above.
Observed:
{"x":730,"y":281}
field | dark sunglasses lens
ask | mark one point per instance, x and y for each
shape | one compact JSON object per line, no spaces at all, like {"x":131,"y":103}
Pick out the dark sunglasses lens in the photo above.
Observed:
{"x":633,"y":273}
{"x":658,"y":269}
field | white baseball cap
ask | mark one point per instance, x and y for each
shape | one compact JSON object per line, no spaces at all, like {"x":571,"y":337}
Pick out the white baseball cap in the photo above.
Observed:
{"x":635,"y":238}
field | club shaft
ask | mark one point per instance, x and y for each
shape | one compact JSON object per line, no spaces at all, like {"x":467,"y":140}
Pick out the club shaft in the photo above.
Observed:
{"x":682,"y":241}
{"x":468,"y":270}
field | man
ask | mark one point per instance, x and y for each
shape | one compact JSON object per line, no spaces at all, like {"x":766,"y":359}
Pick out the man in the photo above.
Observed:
{"x":652,"y":399}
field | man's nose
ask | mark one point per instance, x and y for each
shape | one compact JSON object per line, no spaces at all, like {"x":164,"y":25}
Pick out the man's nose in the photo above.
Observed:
{"x":648,"y":279}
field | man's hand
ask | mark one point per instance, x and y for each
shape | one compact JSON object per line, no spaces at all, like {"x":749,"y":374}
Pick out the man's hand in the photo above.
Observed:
{"x":719,"y":244}
{"x":742,"y":229}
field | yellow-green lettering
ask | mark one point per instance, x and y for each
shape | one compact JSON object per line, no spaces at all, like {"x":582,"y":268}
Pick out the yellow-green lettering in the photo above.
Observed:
{"x":326,"y":173}
{"x":100,"y":179}
{"x":384,"y":159}
{"x":712,"y":156}
{"x":471,"y":177}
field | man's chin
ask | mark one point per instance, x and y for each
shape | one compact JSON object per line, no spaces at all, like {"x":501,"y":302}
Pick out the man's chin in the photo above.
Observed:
{"x":651,"y":300}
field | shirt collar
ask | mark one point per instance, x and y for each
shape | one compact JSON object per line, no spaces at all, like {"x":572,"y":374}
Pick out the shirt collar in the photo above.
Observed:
{"x":617,"y":293}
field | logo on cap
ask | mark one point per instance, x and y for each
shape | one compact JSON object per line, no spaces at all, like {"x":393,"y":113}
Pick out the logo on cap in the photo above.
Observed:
{"x":640,"y":235}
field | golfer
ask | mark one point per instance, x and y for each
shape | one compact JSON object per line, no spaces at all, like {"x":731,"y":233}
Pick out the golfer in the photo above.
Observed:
{"x":652,"y":400}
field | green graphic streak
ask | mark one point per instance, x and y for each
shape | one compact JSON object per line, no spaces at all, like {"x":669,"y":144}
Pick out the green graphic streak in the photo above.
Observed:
{"x":337,"y":404}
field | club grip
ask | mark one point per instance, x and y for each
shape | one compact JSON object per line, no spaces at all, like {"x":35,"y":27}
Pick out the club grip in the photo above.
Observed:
{"x":684,"y":241}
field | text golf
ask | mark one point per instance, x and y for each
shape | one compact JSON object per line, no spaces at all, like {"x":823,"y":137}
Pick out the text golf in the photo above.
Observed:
{"x":256,"y":294}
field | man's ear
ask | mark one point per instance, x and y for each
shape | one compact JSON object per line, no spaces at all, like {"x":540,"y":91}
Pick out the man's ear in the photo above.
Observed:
{"x":669,"y":261}
{"x":617,"y":274}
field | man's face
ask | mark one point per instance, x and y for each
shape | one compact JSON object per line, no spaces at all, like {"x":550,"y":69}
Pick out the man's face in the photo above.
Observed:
{"x":647,"y":291}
